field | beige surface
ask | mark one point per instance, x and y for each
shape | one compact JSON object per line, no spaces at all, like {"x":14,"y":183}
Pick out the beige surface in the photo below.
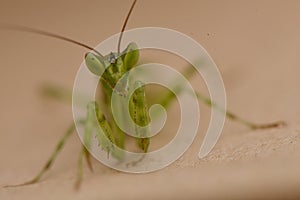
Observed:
{"x":254,"y":43}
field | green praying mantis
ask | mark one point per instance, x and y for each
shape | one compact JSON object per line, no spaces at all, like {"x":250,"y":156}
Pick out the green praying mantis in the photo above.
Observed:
{"x":112,"y":67}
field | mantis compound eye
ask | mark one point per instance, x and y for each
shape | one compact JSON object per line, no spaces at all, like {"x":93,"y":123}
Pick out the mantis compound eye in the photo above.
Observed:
{"x":94,"y":63}
{"x":131,"y":55}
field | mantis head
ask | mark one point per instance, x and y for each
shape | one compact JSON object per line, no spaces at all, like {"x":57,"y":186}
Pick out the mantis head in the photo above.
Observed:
{"x":122,"y":63}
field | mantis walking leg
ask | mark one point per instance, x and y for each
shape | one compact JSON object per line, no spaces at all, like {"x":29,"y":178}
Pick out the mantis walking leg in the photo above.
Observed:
{"x":52,"y":158}
{"x":234,"y":117}
{"x":80,"y":168}
{"x":89,"y":124}
{"x":188,"y":73}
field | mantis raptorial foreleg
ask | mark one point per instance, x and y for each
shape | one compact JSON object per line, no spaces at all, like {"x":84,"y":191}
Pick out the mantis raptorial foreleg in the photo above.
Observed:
{"x":106,"y":143}
{"x":139,"y":113}
{"x":103,"y":131}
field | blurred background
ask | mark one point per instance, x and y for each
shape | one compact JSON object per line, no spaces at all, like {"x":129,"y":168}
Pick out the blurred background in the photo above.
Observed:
{"x":255,"y":44}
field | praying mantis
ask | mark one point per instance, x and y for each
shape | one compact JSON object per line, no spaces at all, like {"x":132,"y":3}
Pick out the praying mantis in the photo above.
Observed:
{"x":115,"y":65}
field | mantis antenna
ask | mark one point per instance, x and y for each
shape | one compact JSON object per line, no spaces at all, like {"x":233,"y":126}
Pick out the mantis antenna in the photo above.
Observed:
{"x":124,"y":25}
{"x":45,"y":33}
{"x":53,"y":35}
